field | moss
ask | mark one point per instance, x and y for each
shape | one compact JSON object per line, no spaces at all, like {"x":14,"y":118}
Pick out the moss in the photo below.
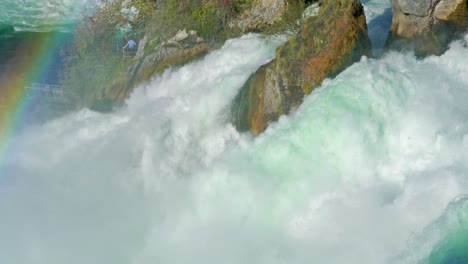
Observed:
{"x":239,"y":6}
{"x":207,"y":18}
{"x":288,"y":24}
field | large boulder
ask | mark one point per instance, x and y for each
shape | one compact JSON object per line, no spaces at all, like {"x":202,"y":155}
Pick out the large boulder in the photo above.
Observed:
{"x":324,"y":46}
{"x":427,"y":25}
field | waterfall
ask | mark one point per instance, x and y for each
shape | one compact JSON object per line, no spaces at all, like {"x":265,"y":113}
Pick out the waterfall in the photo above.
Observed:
{"x":369,"y":169}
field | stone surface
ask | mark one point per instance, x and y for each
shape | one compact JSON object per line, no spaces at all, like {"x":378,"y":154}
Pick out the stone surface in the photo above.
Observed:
{"x":414,"y":17}
{"x":141,"y":47}
{"x":325,"y":45}
{"x":181,"y":35}
{"x":453,"y":11}
{"x":427,"y":26}
{"x":312,"y":10}
{"x":413,"y":7}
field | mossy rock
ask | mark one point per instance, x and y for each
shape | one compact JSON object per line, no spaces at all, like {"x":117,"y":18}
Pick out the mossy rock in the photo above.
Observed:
{"x":324,"y":46}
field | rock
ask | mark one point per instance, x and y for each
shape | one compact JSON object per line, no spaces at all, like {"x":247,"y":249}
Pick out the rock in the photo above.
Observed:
{"x":262,"y":13}
{"x":163,"y":58}
{"x":184,"y":40}
{"x":141,"y":47}
{"x":453,"y":12}
{"x":312,"y":10}
{"x":324,"y":46}
{"x":180,"y":35}
{"x":427,"y":26}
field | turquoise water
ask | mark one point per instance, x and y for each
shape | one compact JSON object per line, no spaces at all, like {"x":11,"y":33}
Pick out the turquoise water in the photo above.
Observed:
{"x":452,"y":250}
{"x":40,"y":15}
{"x":372,"y":168}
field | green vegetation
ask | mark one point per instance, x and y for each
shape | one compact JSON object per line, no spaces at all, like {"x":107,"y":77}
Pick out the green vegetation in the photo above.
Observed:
{"x":95,"y":60}
{"x":240,"y":5}
{"x":208,"y":17}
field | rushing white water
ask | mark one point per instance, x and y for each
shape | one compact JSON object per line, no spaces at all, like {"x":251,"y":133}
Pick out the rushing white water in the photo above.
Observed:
{"x":367,"y":170}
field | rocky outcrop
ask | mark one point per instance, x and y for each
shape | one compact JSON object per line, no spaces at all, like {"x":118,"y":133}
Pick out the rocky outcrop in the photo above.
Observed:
{"x":261,"y":14}
{"x":324,"y":46}
{"x":141,"y":47}
{"x":159,"y":50}
{"x":180,"y":49}
{"x":427,"y":25}
{"x":154,"y":56}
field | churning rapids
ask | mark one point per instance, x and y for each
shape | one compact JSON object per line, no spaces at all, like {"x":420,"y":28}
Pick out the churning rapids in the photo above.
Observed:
{"x":372,"y":168}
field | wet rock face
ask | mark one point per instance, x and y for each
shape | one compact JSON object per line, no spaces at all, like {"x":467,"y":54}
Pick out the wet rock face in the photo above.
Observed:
{"x":415,"y":17}
{"x":454,"y":12}
{"x":324,"y":46}
{"x":417,"y":8}
{"x":180,"y":49}
{"x":410,"y":17}
{"x":427,"y":26}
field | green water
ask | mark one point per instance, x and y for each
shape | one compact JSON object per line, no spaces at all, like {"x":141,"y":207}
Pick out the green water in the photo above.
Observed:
{"x":453,"y":250}
{"x":453,"y":226}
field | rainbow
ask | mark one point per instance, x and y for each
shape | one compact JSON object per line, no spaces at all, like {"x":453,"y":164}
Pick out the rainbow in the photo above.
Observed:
{"x":44,"y":33}
{"x":36,"y":56}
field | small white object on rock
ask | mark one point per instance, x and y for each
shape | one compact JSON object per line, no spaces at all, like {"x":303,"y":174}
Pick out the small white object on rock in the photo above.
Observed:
{"x":312,"y":10}
{"x":181,"y":35}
